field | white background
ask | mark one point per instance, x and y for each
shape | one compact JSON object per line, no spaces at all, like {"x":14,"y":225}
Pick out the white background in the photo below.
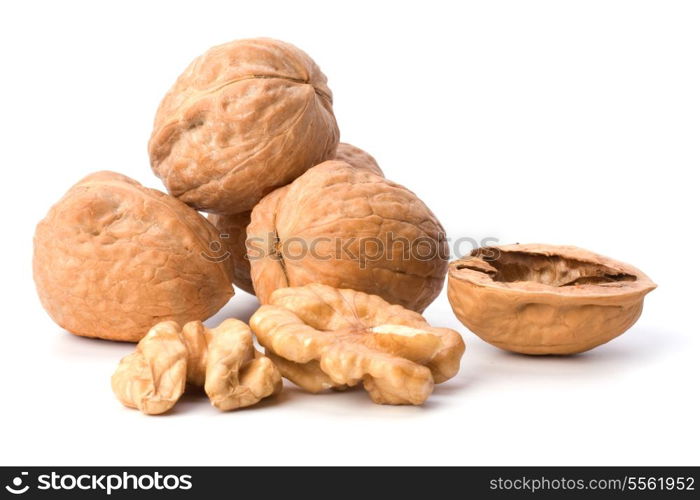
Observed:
{"x":557,"y":122}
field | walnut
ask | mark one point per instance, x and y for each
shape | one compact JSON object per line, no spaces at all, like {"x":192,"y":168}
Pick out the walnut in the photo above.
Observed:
{"x":233,"y":227}
{"x":112,"y":257}
{"x":222,"y":360}
{"x":244,"y":118}
{"x":357,"y":158}
{"x":321,"y":337}
{"x":232,"y":230}
{"x":545,"y":299}
{"x":348,"y":228}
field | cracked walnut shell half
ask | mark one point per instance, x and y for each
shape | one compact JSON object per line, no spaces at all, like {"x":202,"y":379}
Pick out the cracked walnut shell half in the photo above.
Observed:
{"x":545,"y":299}
{"x":322,"y":337}
{"x":244,"y":118}
{"x":112,"y":257}
{"x":223,"y":360}
{"x":233,"y":227}
{"x":348,"y":228}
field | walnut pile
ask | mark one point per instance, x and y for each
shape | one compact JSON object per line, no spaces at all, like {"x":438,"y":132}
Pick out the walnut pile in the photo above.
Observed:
{"x":222,"y":360}
{"x":321,"y":337}
{"x":342,"y":259}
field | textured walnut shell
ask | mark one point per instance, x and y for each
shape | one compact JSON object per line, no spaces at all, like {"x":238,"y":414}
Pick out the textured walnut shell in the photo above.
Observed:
{"x":233,"y":227}
{"x":324,"y":338}
{"x":244,"y":118}
{"x":112,"y":257}
{"x":357,"y":158}
{"x":232,"y":231}
{"x":314,"y":231}
{"x":545,"y":299}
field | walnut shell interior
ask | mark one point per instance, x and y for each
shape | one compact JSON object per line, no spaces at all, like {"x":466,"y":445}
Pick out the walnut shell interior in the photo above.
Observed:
{"x":545,"y":299}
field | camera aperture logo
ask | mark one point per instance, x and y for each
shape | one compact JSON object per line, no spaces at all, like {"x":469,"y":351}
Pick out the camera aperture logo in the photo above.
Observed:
{"x":106,"y":483}
{"x":17,"y":486}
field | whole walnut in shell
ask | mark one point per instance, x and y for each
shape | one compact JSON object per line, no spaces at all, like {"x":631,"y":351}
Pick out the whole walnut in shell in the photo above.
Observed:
{"x":348,"y":228}
{"x":320,"y":337}
{"x":112,"y":258}
{"x":244,"y":118}
{"x":545,"y":299}
{"x":233,"y":227}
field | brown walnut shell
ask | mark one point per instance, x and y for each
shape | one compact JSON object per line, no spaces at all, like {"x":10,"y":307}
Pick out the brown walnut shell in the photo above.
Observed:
{"x":244,"y":118}
{"x":545,"y":299}
{"x":112,"y":258}
{"x":232,"y":230}
{"x":348,"y":228}
{"x":233,"y":227}
{"x":358,"y":158}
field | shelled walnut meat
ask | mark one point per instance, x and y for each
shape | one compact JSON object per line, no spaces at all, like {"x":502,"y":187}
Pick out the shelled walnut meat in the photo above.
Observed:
{"x":347,"y":228}
{"x":112,"y":257}
{"x":545,"y":299}
{"x":233,"y":227}
{"x":322,"y":337}
{"x":222,"y":360}
{"x":244,"y":118}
